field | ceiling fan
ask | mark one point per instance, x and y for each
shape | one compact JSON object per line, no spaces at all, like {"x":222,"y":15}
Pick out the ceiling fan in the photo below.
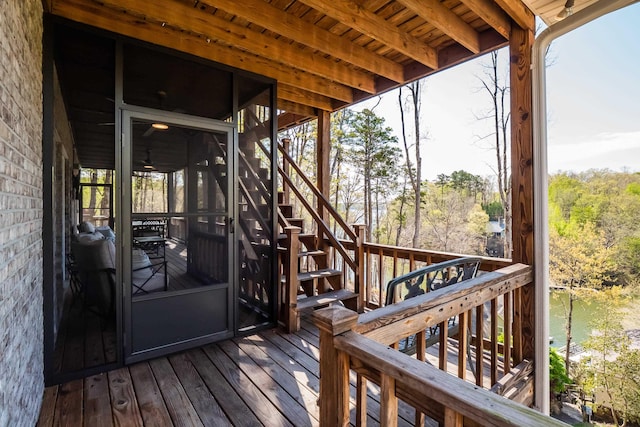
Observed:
{"x":147,"y":163}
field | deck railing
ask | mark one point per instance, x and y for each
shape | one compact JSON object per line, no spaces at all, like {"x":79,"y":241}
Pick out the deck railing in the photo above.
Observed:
{"x":365,"y":344}
{"x":382,"y":263}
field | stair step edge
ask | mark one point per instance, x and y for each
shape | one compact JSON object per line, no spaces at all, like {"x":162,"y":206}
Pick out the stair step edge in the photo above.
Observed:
{"x":324,"y":299}
{"x":318,"y":274}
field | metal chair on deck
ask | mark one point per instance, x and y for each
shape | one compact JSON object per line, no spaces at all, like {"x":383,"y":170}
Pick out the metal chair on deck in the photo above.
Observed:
{"x":428,"y":279}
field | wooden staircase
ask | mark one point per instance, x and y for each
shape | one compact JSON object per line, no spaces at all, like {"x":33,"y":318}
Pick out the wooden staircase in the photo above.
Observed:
{"x":307,"y":279}
{"x":316,"y":284}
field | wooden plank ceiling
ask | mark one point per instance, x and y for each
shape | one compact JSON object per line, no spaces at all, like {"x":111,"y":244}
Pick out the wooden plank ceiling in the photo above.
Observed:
{"x":324,"y":54}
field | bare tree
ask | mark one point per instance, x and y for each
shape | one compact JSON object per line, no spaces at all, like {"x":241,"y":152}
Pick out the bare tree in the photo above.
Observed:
{"x":413,"y":171}
{"x":497,"y":87}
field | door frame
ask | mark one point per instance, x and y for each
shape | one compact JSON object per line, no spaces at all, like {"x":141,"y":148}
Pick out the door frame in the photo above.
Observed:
{"x":124,"y":217}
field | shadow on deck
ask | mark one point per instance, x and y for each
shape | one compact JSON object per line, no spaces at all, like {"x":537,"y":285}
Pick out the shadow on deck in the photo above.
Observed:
{"x":270,"y":378}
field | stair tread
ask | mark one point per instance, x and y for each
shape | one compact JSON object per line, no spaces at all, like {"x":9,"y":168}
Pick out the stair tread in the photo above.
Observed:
{"x":318,"y":274}
{"x":311,"y":253}
{"x":324,"y":299}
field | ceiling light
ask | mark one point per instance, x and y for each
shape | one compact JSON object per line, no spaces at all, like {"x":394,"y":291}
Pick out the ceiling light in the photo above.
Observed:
{"x":566,"y":11}
{"x":148,"y":167}
{"x":160,"y":126}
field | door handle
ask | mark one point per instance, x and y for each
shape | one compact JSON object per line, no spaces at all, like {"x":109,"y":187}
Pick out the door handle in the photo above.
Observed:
{"x":230,"y":222}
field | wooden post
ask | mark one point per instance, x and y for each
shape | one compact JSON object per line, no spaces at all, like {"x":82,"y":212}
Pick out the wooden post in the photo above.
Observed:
{"x":286,"y":144}
{"x":359,"y":280}
{"x":292,"y":320}
{"x":520,"y":49}
{"x":334,"y":365}
{"x":323,"y":146}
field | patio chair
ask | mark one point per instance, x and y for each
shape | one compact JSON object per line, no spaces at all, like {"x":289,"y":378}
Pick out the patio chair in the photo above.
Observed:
{"x":428,"y":279}
{"x":147,"y":276}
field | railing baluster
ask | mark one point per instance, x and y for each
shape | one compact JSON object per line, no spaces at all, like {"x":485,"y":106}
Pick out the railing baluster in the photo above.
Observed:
{"x":494,"y":341}
{"x":444,"y":344}
{"x":421,"y":354}
{"x":388,"y":402}
{"x":361,"y":400}
{"x":452,"y":418}
{"x":462,"y":344}
{"x":291,"y":278}
{"x":479,"y":345}
{"x":381,"y":281}
{"x":517,"y":326}
{"x":508,"y":316}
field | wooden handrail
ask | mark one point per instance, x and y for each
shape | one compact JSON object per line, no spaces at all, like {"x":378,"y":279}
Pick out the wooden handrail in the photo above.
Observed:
{"x":323,"y":200}
{"x":389,"y":323}
{"x":429,"y":384}
{"x":323,"y":226}
{"x":365,"y":344}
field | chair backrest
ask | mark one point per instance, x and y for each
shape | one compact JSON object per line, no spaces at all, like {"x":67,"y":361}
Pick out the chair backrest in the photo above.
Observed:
{"x":431,"y":278}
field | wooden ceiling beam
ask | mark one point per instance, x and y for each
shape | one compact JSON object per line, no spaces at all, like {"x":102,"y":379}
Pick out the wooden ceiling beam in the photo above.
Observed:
{"x":304,"y":97}
{"x":490,"y":13}
{"x":92,"y":13}
{"x":363,"y":20}
{"x":296,"y":108}
{"x":445,"y":20}
{"x":287,"y":25}
{"x":288,"y":120}
{"x":519,"y":12}
{"x":211,"y":27}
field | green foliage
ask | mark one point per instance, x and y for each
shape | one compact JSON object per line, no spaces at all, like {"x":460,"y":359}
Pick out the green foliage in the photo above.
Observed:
{"x":558,"y":378}
{"x":494,"y":209}
{"x":634,"y":188}
{"x":600,"y":205}
{"x":612,"y":368}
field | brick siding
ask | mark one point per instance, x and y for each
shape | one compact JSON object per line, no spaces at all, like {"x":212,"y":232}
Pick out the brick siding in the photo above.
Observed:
{"x":21,"y":340}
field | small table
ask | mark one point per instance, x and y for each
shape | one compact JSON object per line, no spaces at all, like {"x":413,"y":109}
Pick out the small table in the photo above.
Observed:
{"x":151,"y":245}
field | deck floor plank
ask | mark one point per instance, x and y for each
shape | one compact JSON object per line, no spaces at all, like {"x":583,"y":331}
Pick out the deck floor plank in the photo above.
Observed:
{"x":203,"y":401}
{"x":69,"y":404}
{"x":267,"y":379}
{"x":296,"y":402}
{"x":175,"y":397}
{"x":150,"y":401}
{"x":97,"y":401}
{"x":124,"y":405}
{"x":247,"y":390}
{"x":232,"y":404}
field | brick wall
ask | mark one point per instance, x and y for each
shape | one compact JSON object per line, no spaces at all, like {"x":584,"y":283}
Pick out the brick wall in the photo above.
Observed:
{"x":21,"y":341}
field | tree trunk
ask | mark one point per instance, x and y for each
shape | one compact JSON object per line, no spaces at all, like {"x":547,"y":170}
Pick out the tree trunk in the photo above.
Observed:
{"x":568,"y":327}
{"x":415,"y":92}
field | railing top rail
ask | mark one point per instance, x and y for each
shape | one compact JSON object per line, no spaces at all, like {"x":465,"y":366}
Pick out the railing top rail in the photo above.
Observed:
{"x":473,"y":402}
{"x":389,"y":250}
{"x":396,"y":321}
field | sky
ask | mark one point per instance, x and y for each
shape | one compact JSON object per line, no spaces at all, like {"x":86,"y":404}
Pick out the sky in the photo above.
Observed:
{"x":593,"y":99}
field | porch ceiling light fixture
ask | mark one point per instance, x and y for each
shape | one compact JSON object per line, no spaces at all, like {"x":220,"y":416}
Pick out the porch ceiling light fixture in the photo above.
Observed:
{"x":160,"y":126}
{"x":567,"y":11}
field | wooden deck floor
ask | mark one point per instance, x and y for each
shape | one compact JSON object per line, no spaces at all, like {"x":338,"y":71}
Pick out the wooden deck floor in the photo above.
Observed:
{"x":270,"y":379}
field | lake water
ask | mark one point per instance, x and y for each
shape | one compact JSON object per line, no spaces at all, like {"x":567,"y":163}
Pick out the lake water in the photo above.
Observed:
{"x":583,"y":311}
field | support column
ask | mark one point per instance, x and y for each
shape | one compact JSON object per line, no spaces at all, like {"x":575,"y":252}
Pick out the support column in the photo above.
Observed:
{"x":334,"y":365}
{"x":323,"y":146}
{"x":520,"y":50}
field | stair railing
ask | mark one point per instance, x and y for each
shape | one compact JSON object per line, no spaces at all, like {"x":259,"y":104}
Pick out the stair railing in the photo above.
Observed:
{"x":351,"y":259}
